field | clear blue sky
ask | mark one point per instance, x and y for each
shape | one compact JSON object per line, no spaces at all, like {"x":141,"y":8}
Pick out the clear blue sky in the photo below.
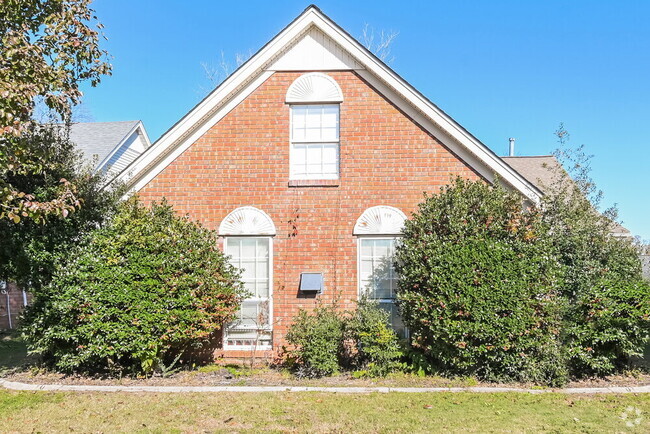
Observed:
{"x":500,"y":68}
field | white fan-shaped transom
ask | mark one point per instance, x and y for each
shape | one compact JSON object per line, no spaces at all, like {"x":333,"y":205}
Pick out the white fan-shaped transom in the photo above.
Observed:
{"x":380,"y":220}
{"x":314,"y":87}
{"x":247,"y":220}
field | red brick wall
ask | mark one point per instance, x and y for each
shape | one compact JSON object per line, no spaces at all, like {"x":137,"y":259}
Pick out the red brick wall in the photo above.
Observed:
{"x":16,"y":306}
{"x":385,"y":159}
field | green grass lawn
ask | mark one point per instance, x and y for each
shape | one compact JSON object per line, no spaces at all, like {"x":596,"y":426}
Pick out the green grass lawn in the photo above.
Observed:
{"x":321,"y":412}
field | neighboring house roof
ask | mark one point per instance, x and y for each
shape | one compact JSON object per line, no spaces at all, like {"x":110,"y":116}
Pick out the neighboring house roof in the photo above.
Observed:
{"x":539,"y":170}
{"x":110,"y":146}
{"x":543,"y":171}
{"x":313,"y":42}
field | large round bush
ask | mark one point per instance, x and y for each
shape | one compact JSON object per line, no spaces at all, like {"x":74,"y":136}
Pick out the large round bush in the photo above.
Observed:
{"x":145,"y":290}
{"x":479,"y":284}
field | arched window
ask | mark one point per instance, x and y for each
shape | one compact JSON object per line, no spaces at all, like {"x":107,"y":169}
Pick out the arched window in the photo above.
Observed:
{"x":248,"y":241}
{"x":314,"y":100}
{"x":378,"y":230}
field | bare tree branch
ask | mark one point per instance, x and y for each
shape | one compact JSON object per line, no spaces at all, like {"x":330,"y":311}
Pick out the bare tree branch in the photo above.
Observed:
{"x":380,"y":47}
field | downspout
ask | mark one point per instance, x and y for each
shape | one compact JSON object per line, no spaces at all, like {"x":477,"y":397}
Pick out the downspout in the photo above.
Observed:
{"x":6,"y":293}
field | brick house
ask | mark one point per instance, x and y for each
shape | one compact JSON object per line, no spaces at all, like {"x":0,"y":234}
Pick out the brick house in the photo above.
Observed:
{"x":307,"y":160}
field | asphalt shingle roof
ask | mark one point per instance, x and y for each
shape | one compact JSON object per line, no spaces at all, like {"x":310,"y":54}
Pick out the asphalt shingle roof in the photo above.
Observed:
{"x":99,"y":138}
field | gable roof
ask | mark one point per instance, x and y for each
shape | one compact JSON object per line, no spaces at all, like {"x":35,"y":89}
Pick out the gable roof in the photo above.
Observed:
{"x":110,"y":145}
{"x":98,"y":139}
{"x":294,"y":49}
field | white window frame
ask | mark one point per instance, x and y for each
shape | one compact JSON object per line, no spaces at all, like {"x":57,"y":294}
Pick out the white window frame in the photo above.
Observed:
{"x":360,"y":290}
{"x":292,"y":152}
{"x":269,"y":327}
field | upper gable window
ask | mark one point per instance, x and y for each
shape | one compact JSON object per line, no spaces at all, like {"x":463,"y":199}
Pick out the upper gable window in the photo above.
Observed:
{"x":314,"y":99}
{"x":315,"y":141}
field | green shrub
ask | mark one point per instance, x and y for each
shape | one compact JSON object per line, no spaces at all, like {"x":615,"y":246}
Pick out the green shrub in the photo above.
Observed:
{"x":326,"y":341}
{"x":606,"y":326}
{"x":375,"y":346}
{"x":134,"y":295}
{"x":479,"y":284}
{"x":317,"y":339}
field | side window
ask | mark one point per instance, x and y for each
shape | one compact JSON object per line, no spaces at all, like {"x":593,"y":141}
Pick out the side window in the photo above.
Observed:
{"x":378,"y":230}
{"x":377,"y":276}
{"x":252,"y":326}
{"x":315,"y":141}
{"x":248,"y":241}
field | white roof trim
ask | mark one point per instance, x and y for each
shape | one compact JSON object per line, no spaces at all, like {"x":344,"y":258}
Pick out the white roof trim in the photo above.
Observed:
{"x":133,"y":130}
{"x":156,"y":158}
{"x":314,"y":87}
{"x":380,"y":220}
{"x":247,"y":220}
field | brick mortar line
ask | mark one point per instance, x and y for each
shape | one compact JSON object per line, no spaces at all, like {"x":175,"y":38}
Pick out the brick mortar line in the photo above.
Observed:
{"x":13,"y":385}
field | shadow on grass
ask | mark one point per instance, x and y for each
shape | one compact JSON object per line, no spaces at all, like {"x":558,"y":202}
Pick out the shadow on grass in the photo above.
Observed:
{"x":13,"y":353}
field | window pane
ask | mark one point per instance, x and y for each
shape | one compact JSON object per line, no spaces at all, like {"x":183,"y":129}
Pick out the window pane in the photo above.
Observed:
{"x":312,"y":135}
{"x":263,"y":289}
{"x":382,"y":248}
{"x":248,"y":248}
{"x":248,"y":267}
{"x":330,"y":152}
{"x":262,"y":247}
{"x":314,"y":155}
{"x":366,"y":247}
{"x":382,"y":288}
{"x":262,"y":270}
{"x":232,"y":247}
{"x":330,"y":116}
{"x":313,"y":116}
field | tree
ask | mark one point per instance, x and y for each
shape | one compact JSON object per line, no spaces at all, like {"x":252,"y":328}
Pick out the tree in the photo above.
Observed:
{"x":380,"y":43}
{"x":135,"y":296}
{"x":479,"y":285}
{"x":49,"y":47}
{"x":607,"y":320}
{"x":29,"y":248}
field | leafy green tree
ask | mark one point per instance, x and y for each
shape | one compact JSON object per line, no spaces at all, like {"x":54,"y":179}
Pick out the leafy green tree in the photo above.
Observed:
{"x":28,"y":247}
{"x":479,"y":285}
{"x":607,"y":320}
{"x":48,"y":48}
{"x":136,"y":295}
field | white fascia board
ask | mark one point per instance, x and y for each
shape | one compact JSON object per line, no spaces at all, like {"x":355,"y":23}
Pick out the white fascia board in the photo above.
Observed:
{"x":463,"y":152}
{"x":117,"y":148}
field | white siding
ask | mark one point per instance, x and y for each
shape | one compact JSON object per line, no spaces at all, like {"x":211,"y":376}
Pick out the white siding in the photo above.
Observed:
{"x":315,"y":52}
